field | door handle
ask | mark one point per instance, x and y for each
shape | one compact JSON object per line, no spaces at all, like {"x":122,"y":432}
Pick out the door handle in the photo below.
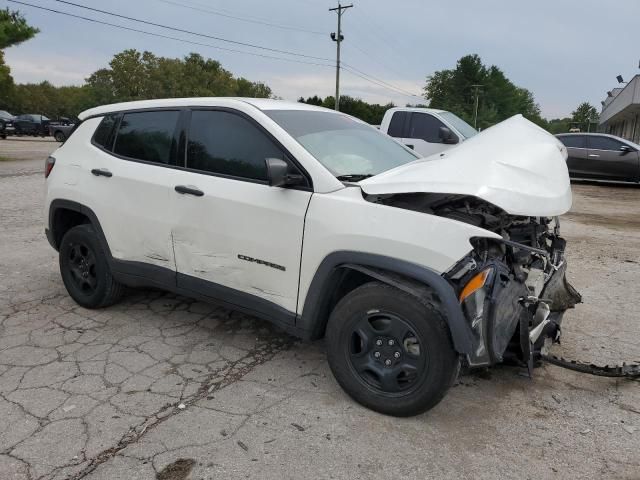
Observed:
{"x":183,"y":189}
{"x":102,"y":172}
{"x":594,"y":155}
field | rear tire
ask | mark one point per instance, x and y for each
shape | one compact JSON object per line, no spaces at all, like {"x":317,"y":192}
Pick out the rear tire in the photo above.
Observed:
{"x":391,"y":351}
{"x":59,"y":136}
{"x":85,"y":270}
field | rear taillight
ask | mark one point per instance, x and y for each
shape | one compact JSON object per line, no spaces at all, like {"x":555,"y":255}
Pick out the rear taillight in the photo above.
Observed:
{"x":48,"y":166}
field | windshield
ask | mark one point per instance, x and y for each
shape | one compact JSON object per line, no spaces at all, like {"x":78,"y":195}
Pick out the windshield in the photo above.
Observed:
{"x":347,"y":147}
{"x":463,"y":127}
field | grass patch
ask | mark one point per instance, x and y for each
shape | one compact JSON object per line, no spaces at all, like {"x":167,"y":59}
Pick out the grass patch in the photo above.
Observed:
{"x":5,"y":159}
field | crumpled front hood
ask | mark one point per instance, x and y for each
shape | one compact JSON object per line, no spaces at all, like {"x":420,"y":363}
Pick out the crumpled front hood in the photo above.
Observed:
{"x":514,"y":165}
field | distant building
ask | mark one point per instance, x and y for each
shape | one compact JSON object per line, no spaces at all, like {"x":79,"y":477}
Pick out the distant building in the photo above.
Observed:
{"x":621,"y":111}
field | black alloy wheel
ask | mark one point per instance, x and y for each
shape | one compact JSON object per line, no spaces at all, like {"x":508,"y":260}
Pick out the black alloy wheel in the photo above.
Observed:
{"x":391,"y":351}
{"x":82,"y":266}
{"x":385,"y":352}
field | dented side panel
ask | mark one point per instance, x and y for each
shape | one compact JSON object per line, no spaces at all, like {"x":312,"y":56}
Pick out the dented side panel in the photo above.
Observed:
{"x":239,"y":234}
{"x":132,"y":204}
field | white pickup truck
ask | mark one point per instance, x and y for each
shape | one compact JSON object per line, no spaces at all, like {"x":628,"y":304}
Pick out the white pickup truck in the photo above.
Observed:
{"x":426,"y":130}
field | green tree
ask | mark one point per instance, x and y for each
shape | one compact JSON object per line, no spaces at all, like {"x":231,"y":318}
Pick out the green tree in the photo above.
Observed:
{"x":371,"y":113}
{"x":498,"y":97}
{"x":13,"y":30}
{"x":584,"y":116}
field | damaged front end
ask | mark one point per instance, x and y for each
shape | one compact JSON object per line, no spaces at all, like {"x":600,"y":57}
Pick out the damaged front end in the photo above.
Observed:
{"x":512,"y":291}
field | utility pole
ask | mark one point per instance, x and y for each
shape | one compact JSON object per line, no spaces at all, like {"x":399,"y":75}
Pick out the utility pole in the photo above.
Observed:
{"x":475,"y":114}
{"x":338,"y":39}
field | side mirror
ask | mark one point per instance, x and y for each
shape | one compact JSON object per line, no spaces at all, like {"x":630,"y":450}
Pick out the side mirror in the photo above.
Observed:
{"x":625,"y":149}
{"x":447,"y":136}
{"x":279,"y":175}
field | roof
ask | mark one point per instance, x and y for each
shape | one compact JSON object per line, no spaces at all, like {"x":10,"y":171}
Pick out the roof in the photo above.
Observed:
{"x":416,"y":109}
{"x":259,"y":103}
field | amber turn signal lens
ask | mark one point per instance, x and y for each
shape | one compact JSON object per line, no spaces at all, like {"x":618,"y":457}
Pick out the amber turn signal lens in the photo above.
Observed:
{"x":475,"y":284}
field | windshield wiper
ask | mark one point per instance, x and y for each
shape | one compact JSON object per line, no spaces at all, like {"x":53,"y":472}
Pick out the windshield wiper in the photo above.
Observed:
{"x":354,"y":177}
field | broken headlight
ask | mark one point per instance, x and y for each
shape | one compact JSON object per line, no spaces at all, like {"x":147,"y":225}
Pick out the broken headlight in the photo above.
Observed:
{"x":472,"y":300}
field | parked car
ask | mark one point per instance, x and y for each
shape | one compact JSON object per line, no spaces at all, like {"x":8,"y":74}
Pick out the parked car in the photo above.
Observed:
{"x":597,"y":156}
{"x":321,"y":224}
{"x":61,"y":129}
{"x":426,"y":130}
{"x":31,"y":124}
{"x":6,"y":124}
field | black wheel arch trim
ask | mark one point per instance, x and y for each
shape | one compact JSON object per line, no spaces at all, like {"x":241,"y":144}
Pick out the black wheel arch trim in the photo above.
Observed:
{"x":401,"y":274}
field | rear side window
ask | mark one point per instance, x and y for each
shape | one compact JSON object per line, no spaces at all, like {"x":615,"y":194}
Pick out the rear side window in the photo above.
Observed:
{"x":574,"y":141}
{"x":396,"y":126}
{"x":604,"y":143}
{"x":148,"y":136}
{"x":425,"y":127}
{"x":105,"y":131}
{"x":228,"y":144}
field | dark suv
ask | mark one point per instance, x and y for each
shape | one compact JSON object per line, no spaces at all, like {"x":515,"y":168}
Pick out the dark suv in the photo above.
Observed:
{"x":596,"y":156}
{"x":31,"y":124}
{"x":6,"y":123}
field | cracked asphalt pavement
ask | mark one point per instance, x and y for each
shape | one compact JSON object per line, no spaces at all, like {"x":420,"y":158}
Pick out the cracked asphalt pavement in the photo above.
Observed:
{"x":161,"y":386}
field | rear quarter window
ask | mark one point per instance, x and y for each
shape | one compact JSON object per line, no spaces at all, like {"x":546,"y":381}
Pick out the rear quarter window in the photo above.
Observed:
{"x":396,"y":125}
{"x":104,"y":134}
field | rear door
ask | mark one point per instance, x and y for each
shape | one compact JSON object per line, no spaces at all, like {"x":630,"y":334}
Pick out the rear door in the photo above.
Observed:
{"x":608,"y":160}
{"x":126,"y":179}
{"x":235,"y":237}
{"x":577,"y":155}
{"x":423,"y":134}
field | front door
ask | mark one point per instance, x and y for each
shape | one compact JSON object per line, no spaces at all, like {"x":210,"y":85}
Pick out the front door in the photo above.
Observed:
{"x":235,"y":237}
{"x":608,"y":160}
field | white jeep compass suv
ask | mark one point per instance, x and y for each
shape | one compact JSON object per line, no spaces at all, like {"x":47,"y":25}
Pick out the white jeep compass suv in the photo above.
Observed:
{"x":323,"y":225}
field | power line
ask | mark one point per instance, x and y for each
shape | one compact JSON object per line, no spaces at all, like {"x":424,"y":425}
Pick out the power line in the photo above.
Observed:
{"x":181,"y":30}
{"x":168,"y":37}
{"x":242,"y":18}
{"x":380,"y":84}
{"x":389,"y":85}
{"x":349,"y":68}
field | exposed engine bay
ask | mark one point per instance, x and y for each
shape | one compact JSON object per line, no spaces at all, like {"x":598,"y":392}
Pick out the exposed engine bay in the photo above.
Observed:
{"x":513,"y":291}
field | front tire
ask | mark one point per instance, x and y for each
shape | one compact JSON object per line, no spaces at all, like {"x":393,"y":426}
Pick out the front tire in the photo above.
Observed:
{"x":391,"y":351}
{"x":85,"y":270}
{"x":59,"y":136}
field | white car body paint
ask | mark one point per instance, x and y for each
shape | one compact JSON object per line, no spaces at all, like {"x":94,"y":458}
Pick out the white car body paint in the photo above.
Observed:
{"x":515,"y":165}
{"x":344,"y":220}
{"x":145,"y":220}
{"x":235,"y":218}
{"x":420,"y":146}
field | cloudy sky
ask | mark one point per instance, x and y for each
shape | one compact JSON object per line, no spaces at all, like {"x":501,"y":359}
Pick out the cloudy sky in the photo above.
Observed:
{"x":564,"y":51}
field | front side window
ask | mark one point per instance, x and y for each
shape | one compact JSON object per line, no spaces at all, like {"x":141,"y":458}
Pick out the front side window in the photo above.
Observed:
{"x":459,"y":124}
{"x":604,"y":143}
{"x":148,"y":136}
{"x":228,"y":144}
{"x":425,"y":127}
{"x":344,"y":145}
{"x":574,"y":141}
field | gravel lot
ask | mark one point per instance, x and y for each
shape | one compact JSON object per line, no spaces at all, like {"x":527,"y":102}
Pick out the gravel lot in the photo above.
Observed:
{"x":161,"y":386}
